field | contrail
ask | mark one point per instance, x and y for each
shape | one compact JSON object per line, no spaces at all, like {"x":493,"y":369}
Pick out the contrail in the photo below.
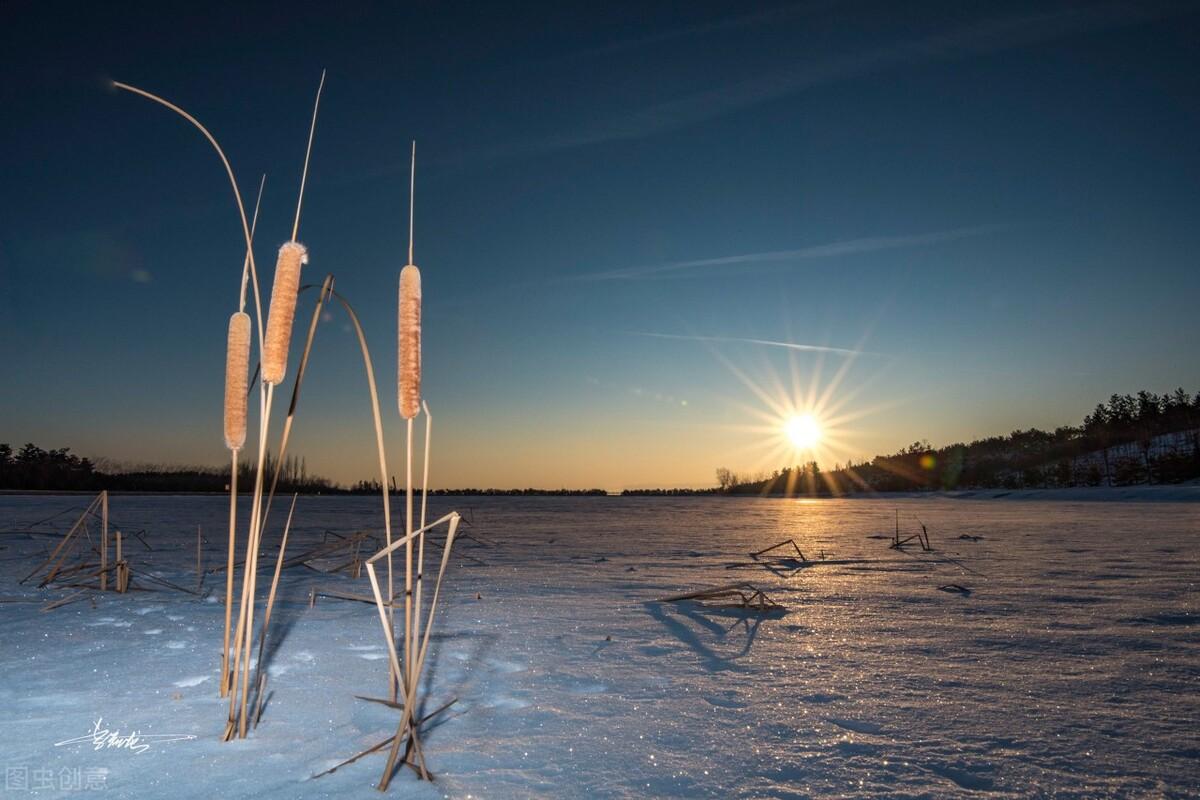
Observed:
{"x":830,"y":250}
{"x":810,"y":348}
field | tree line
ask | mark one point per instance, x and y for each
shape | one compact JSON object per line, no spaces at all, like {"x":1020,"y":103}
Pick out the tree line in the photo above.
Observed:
{"x":374,"y":487}
{"x":33,"y":469}
{"x":1144,"y":438}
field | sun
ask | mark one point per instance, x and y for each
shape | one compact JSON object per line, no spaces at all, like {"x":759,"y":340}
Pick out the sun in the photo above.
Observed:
{"x":802,"y":431}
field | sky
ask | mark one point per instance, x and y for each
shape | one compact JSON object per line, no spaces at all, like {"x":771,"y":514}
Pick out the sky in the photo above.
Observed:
{"x":648,"y":233}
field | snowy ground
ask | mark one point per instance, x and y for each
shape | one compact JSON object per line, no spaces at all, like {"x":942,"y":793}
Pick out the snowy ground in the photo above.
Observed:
{"x":1071,"y":669}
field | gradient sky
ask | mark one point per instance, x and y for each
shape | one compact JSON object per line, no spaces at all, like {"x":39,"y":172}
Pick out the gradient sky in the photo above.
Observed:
{"x":619,"y":208}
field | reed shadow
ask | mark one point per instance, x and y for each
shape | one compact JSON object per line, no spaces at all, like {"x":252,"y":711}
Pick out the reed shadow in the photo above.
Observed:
{"x":704,"y":617}
{"x":480,"y":647}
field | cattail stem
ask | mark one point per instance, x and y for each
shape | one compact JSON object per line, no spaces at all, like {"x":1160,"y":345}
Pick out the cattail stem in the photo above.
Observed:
{"x":262,"y":182}
{"x":304,"y":175}
{"x":326,"y":289}
{"x":307,"y":152}
{"x":231,"y":725}
{"x":262,"y":639}
{"x":237,"y":722}
{"x":412,"y":192}
{"x":233,"y":476}
{"x":251,"y":569}
{"x":424,"y":505}
{"x":408,"y":564}
{"x":199,"y":562}
{"x":104,"y":541}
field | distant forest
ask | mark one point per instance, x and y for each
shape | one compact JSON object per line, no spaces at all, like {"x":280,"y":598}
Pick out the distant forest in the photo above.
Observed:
{"x":33,"y":469}
{"x":1132,"y":439}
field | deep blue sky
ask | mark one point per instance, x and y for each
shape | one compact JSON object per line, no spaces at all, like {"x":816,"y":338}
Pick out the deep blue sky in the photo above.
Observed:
{"x":998,"y":203}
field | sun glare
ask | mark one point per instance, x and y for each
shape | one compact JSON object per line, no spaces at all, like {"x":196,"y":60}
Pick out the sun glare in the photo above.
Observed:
{"x":802,"y":431}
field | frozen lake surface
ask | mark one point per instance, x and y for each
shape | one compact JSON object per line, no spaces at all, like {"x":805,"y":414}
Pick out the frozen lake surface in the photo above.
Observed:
{"x":1070,"y":667}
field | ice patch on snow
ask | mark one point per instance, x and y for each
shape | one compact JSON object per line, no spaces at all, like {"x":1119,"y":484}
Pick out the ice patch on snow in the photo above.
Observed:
{"x":504,"y":701}
{"x":856,"y":725}
{"x":588,"y":688}
{"x":193,"y":681}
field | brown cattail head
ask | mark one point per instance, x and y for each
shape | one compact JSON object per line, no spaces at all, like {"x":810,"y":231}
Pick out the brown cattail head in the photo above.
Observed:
{"x":409,"y":372}
{"x":283,"y":310}
{"x":237,"y":368}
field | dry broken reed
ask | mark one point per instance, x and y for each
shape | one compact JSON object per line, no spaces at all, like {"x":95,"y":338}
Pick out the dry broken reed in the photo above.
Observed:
{"x":410,"y":682}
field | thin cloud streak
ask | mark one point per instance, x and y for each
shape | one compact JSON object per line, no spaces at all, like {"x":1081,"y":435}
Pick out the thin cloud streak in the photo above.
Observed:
{"x":809,"y":348}
{"x":831,"y":250}
{"x":754,"y":19}
{"x":987,"y":36}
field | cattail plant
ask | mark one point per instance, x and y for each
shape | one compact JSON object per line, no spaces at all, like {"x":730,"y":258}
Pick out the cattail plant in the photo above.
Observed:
{"x":408,"y":380}
{"x":237,"y":368}
{"x":284,"y":291}
{"x":408,"y":385}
